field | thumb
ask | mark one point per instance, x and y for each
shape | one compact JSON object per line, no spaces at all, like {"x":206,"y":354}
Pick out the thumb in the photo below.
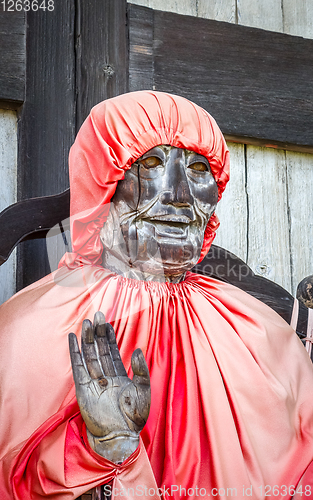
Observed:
{"x":140,"y":368}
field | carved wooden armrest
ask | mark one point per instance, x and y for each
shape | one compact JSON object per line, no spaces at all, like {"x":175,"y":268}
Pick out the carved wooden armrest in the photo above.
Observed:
{"x":95,"y":494}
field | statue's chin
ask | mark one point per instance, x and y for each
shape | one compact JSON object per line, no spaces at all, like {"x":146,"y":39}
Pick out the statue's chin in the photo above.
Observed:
{"x":169,"y":257}
{"x":147,"y":253}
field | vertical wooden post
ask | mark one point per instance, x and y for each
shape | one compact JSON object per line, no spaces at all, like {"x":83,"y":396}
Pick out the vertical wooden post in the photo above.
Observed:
{"x":76,"y":57}
{"x":101,"y":52}
{"x":46,"y":126}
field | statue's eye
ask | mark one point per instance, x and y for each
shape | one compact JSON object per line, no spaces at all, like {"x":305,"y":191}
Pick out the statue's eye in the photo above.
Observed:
{"x":199,"y":166}
{"x":151,"y":161}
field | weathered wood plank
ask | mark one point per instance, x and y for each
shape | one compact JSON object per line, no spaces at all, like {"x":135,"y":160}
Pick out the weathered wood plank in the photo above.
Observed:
{"x":266,"y":14}
{"x":47,"y":120}
{"x":273,"y":145}
{"x":8,"y":278}
{"x":87,"y":63}
{"x":268,"y":225}
{"x":188,"y":7}
{"x":232,"y":209}
{"x":8,"y":157}
{"x":300,"y":196}
{"x":102,"y":53}
{"x":141,"y":72}
{"x":8,"y":168}
{"x":12,"y":57}
{"x":287,"y":16}
{"x":249,"y":79}
{"x":220,"y":10}
{"x":143,"y":3}
{"x":298,"y":18}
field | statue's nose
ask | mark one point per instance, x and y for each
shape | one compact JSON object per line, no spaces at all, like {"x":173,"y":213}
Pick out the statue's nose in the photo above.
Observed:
{"x":176,"y":189}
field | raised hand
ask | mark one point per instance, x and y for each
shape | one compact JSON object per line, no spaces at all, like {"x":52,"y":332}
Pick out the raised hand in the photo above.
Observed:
{"x":114,"y":407}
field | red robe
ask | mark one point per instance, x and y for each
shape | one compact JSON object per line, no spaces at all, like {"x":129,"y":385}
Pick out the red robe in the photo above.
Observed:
{"x":231,"y":388}
{"x":231,"y":383}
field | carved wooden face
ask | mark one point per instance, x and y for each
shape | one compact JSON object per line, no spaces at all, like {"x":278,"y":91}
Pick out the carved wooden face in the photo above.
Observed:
{"x":163,"y":206}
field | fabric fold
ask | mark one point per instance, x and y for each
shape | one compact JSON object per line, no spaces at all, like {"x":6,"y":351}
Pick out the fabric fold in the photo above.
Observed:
{"x":58,"y":462}
{"x":228,"y":407}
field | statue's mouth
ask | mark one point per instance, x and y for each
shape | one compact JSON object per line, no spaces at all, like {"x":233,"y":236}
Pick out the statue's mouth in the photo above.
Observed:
{"x":170,"y":226}
{"x":170,"y":219}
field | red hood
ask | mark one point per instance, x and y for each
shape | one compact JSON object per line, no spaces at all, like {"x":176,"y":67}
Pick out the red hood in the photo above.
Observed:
{"x":116,"y":133}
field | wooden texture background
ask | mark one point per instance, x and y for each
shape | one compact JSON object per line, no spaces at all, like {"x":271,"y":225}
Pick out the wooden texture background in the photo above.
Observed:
{"x":46,"y":121}
{"x":66,"y":75}
{"x":12,"y":59}
{"x":257,"y":84}
{"x":284,"y":16}
{"x":8,"y":185}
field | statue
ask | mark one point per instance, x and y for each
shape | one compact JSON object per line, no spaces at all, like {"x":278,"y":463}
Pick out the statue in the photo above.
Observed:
{"x":166,"y":200}
{"x":231,"y":407}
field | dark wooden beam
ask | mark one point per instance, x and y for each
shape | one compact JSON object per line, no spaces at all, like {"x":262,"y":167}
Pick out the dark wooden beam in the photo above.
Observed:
{"x":77,"y":56}
{"x":141,"y":48}
{"x":12,"y":58}
{"x":257,"y":84}
{"x":46,"y":121}
{"x":102,"y":52}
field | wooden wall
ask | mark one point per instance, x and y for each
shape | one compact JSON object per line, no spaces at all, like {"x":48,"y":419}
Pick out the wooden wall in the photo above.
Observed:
{"x":270,"y":200}
{"x":285,"y":16}
{"x":62,"y":79}
{"x":8,"y":176}
{"x":269,"y":195}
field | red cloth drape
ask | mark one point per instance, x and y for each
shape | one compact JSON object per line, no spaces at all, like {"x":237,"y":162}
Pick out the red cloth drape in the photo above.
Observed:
{"x":231,"y":382}
{"x":231,"y":388}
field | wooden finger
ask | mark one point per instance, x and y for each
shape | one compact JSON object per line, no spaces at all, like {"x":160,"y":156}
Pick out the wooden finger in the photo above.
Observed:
{"x":89,"y":350}
{"x":115,"y":352}
{"x":103,"y":345}
{"x":80,"y":375}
